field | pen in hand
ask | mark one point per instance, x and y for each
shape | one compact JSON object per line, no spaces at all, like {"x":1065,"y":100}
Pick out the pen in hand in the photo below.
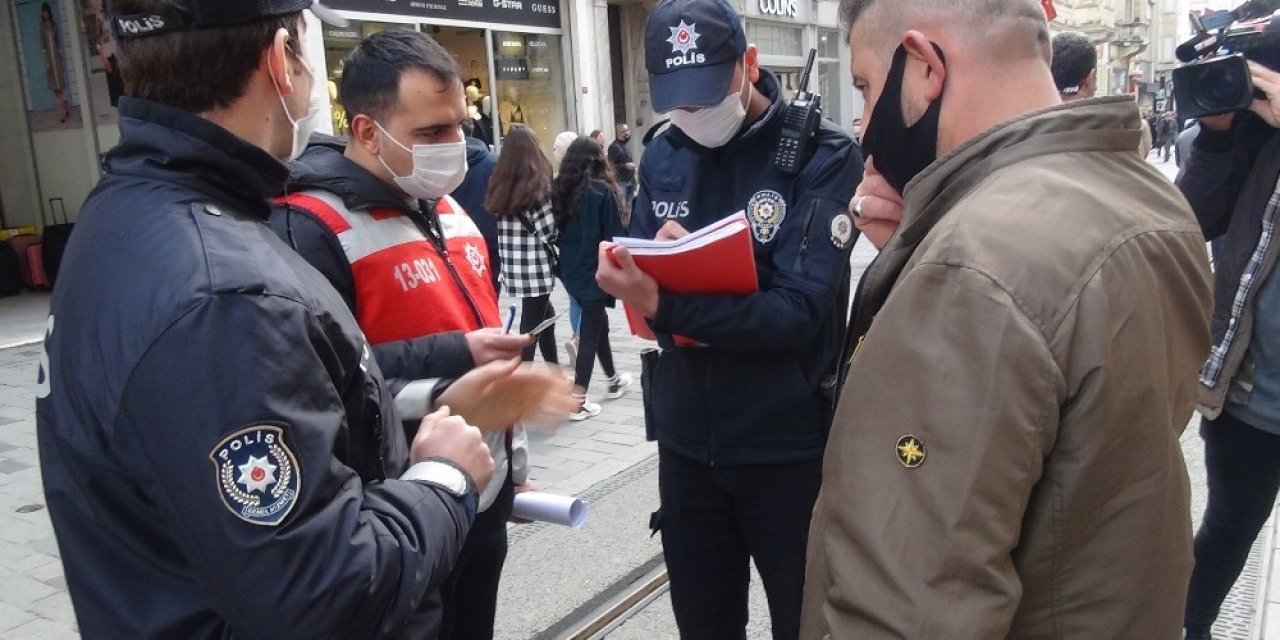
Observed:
{"x":511,"y":318}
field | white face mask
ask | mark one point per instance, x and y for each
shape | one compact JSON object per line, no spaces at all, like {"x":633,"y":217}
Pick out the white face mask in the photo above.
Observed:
{"x":306,"y":125}
{"x":438,"y":169}
{"x":714,"y":126}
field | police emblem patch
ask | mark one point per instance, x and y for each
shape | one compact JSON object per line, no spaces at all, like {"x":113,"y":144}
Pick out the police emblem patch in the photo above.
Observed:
{"x":257,"y":475}
{"x":476,"y":258}
{"x":684,"y":37}
{"x":766,"y":211}
{"x":841,"y":231}
{"x":910,"y":451}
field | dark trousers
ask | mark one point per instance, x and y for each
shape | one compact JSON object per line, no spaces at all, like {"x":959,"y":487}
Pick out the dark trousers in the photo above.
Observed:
{"x":1243,"y":465}
{"x":532,"y":311}
{"x":593,"y":341}
{"x":470,"y":593}
{"x":714,"y":519}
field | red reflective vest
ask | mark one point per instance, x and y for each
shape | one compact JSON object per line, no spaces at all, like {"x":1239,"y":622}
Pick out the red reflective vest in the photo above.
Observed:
{"x":406,"y":286}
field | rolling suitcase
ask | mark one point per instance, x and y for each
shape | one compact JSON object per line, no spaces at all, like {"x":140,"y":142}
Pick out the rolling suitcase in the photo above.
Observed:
{"x":20,"y":245}
{"x":38,"y":279}
{"x":56,"y":236}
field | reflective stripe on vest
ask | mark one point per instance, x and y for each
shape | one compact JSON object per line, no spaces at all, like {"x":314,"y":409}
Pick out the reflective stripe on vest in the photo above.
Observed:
{"x":404,"y":288}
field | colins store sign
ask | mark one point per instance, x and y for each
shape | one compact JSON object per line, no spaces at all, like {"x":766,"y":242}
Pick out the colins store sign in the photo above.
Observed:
{"x":530,"y":13}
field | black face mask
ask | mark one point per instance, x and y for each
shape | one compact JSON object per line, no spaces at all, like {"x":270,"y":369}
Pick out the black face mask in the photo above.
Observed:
{"x":901,"y":152}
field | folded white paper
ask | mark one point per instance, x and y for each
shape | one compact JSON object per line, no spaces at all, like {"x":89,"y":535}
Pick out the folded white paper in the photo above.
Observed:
{"x":549,"y":507}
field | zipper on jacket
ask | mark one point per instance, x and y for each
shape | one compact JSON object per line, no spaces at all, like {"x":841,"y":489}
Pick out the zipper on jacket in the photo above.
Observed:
{"x":457,"y":280}
{"x":435,"y":235}
{"x":804,"y":243}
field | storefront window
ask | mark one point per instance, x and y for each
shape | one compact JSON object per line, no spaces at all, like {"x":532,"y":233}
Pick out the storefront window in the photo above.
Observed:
{"x":829,"y":78}
{"x":530,"y":87}
{"x":828,"y":43}
{"x":829,"y":88}
{"x":338,"y":42}
{"x":776,"y":39}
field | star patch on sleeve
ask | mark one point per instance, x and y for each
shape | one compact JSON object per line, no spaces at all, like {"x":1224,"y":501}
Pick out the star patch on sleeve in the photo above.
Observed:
{"x":257,"y":474}
{"x":910,"y":451}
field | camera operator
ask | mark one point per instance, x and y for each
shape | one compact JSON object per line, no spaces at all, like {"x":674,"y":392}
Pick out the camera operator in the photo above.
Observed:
{"x":1230,"y":181}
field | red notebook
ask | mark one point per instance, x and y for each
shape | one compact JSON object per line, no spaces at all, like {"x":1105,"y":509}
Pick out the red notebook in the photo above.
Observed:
{"x":718,"y":258}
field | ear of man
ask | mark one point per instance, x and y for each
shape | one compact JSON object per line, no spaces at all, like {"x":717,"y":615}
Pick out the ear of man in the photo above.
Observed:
{"x":275,"y":59}
{"x":920,"y":48}
{"x":364,"y":132}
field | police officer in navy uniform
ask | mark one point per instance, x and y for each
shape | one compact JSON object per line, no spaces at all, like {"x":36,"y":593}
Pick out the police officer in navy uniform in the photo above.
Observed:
{"x":220,"y":454}
{"x":741,"y":421}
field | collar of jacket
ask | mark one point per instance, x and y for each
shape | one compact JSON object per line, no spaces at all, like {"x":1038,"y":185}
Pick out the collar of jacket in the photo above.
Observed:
{"x":767,"y":126}
{"x":164,"y":143}
{"x":324,"y":166}
{"x":1099,"y":125}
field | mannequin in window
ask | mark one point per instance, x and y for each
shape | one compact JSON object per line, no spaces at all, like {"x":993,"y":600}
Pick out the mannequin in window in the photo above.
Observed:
{"x":55,"y":65}
{"x":484,"y":123}
{"x":510,"y":112}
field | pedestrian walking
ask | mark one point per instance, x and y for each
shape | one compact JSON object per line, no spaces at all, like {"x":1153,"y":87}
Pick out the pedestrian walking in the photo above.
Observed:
{"x":624,"y":166}
{"x":585,"y":198}
{"x":520,"y":195}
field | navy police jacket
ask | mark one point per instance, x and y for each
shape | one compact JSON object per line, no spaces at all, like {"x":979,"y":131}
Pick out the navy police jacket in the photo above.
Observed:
{"x":219,"y":451}
{"x":754,"y":394}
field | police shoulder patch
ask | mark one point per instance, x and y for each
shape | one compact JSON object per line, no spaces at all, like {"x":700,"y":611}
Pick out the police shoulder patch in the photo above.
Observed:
{"x":257,"y":475}
{"x":765,"y":211}
{"x":841,"y":231}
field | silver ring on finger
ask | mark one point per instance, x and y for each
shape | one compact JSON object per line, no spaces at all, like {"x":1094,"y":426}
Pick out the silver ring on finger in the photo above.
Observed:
{"x":856,"y":209}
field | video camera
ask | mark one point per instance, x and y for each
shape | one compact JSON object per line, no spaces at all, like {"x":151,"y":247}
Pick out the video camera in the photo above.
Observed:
{"x":1216,"y":78}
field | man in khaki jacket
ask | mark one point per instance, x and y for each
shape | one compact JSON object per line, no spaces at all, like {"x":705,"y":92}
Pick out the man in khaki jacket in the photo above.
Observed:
{"x":1005,"y":460}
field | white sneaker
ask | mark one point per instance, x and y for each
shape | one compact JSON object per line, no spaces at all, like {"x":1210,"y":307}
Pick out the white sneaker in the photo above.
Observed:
{"x":618,"y":385}
{"x":571,"y":348}
{"x":588,"y":409}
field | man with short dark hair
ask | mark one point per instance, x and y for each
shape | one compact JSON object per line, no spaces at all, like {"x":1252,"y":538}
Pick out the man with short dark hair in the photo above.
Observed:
{"x":220,"y":454}
{"x":1005,"y":459}
{"x":373,"y":214}
{"x":1074,"y":66}
{"x":623,"y":164}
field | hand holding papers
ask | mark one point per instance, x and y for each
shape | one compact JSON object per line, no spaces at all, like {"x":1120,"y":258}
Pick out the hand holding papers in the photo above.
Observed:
{"x":718,"y":258}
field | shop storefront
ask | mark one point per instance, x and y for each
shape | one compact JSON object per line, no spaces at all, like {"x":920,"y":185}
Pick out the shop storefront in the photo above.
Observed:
{"x":511,"y":53}
{"x":784,"y":31}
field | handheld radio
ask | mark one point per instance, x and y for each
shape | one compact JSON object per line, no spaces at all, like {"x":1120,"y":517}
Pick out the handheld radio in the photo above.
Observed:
{"x":799,"y":124}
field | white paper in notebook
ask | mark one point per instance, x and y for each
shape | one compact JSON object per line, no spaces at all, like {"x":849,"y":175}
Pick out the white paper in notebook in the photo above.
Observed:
{"x":711,"y":233}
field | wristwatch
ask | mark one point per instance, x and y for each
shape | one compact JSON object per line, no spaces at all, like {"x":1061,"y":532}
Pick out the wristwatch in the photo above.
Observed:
{"x":440,"y":473}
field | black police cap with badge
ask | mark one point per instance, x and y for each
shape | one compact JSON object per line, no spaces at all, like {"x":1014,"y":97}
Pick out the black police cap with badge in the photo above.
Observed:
{"x":189,"y":15}
{"x":690,"y":50}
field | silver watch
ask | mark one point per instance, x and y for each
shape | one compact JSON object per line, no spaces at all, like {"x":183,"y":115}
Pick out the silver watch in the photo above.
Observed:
{"x":440,"y":474}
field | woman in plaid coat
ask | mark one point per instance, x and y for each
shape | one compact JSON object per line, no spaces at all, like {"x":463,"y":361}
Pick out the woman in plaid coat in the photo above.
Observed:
{"x":519,"y":195}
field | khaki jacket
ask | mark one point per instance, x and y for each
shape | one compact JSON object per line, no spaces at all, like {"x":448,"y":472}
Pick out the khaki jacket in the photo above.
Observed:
{"x":1035,"y":330}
